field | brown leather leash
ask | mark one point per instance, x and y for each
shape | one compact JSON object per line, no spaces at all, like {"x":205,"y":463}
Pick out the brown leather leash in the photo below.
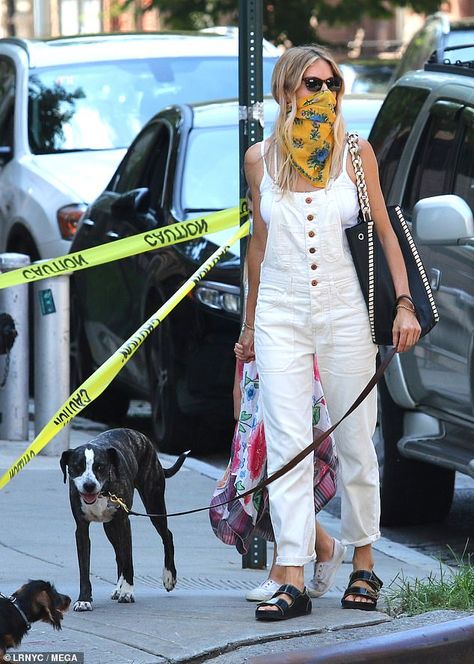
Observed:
{"x":291,"y":464}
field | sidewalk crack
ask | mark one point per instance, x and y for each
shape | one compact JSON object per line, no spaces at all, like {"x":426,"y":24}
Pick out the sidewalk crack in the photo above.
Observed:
{"x":30,"y":555}
{"x":111,"y":639}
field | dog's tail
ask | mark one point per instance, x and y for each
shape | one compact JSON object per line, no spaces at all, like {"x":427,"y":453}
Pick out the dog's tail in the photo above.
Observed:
{"x":169,"y":472}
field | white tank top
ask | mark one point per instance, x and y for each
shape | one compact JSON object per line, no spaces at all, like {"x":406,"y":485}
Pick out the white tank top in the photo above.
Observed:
{"x":346,"y":197}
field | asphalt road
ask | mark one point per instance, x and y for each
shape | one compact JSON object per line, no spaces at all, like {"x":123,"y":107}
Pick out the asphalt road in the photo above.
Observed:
{"x":453,"y":538}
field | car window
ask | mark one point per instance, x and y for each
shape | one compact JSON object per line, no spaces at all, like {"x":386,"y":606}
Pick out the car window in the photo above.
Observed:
{"x":133,"y":166}
{"x":7,"y":100}
{"x":431,"y":171}
{"x":156,"y":169}
{"x":216,"y":186}
{"x":464,"y":179}
{"x":103,"y":105}
{"x":392,"y":128}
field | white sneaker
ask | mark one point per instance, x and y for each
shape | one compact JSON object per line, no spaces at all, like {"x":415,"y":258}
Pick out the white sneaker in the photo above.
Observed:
{"x":263,"y":592}
{"x":324,"y":573}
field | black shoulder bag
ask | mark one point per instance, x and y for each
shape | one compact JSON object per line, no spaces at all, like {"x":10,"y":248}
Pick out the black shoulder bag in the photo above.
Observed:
{"x":372,"y":268}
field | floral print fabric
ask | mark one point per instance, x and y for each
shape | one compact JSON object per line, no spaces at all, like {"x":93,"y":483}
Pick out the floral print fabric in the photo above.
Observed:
{"x":238,"y":522}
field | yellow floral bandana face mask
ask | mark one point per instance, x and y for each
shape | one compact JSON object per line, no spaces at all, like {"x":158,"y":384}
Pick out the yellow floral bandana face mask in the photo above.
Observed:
{"x":313,"y":137}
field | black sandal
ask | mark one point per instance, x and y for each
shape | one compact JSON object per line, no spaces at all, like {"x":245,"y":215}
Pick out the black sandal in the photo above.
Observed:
{"x":300,"y":606}
{"x":372,"y":580}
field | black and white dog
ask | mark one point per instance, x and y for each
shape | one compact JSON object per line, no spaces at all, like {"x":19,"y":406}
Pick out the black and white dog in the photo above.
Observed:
{"x":117,"y":462}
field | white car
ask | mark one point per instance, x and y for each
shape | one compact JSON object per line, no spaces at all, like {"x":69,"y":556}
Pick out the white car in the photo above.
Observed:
{"x":69,"y":109}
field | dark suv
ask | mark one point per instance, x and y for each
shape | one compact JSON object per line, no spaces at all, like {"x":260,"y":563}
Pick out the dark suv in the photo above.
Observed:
{"x":424,"y":140}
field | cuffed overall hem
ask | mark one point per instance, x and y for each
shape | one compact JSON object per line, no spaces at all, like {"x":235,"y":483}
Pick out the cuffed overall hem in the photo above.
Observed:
{"x":362,"y":542}
{"x":295,"y":562}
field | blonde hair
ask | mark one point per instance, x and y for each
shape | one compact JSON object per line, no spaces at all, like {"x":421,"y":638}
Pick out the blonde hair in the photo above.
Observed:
{"x":286,"y":79}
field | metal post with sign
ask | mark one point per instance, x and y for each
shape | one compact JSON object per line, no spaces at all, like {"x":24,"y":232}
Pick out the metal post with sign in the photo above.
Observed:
{"x":52,"y":387}
{"x":250,"y":132}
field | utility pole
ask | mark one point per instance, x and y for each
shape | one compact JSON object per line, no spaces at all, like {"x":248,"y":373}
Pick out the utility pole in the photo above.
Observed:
{"x":250,"y":132}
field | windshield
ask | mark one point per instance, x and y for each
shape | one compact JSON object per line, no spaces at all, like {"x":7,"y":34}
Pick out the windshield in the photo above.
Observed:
{"x":101,"y":106}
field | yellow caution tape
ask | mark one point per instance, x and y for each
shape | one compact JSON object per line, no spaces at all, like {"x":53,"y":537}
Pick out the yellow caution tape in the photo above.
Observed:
{"x":128,"y":246}
{"x":103,"y":376}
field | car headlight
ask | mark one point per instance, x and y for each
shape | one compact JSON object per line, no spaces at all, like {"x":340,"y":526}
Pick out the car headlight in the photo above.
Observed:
{"x":222,"y":297}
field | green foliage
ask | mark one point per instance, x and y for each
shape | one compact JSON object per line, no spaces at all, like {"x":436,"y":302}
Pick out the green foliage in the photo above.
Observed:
{"x":452,"y":589}
{"x":282,"y":19}
{"x":51,"y":109}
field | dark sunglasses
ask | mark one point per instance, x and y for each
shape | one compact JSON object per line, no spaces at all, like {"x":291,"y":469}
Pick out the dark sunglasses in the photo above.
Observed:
{"x":314,"y":84}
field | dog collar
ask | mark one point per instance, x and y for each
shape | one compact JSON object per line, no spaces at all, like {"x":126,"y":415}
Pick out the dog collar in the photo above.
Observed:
{"x":18,"y":608}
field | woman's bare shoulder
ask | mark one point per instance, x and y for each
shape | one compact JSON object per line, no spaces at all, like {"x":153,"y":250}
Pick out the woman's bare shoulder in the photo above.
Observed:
{"x":254,"y":164}
{"x":253,"y":154}
{"x":366,"y":150}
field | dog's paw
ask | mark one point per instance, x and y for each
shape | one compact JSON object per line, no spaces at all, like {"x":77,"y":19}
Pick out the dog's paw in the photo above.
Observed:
{"x":126,"y":598}
{"x":124,"y":593}
{"x":169,"y":579}
{"x":116,"y":593}
{"x":82,"y":606}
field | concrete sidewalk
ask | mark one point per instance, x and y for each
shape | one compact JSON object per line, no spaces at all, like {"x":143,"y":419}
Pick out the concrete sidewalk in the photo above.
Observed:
{"x":205,"y":616}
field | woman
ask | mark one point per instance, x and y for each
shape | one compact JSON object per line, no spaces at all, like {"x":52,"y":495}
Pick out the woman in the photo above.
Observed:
{"x":237,"y":522}
{"x":304,"y":300}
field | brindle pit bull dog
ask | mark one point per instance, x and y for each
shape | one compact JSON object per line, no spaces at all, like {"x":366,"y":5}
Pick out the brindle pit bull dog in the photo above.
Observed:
{"x":117,"y":462}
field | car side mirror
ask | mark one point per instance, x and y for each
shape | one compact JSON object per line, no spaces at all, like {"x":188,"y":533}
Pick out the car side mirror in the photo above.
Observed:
{"x":131,"y":205}
{"x":443,"y":219}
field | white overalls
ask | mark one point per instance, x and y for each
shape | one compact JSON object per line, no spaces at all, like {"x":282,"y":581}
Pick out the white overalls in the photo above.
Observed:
{"x":309,"y":302}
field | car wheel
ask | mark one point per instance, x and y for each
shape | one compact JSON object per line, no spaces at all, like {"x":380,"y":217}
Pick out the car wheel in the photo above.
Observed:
{"x":412,"y":492}
{"x":23,"y":243}
{"x":112,"y":405}
{"x":173,"y":431}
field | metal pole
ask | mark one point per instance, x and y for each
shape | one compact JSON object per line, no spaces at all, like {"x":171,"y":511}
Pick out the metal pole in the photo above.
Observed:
{"x":14,"y":365}
{"x":41,"y":18}
{"x":52,"y":386}
{"x":250,"y":132}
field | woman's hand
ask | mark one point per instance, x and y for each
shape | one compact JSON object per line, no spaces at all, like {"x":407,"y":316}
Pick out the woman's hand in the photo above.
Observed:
{"x":406,"y":330}
{"x":244,"y":349}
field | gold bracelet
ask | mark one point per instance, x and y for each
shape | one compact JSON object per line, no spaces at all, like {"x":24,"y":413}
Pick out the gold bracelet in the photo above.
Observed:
{"x":405,"y":297}
{"x":402,"y":306}
{"x":245,"y":324}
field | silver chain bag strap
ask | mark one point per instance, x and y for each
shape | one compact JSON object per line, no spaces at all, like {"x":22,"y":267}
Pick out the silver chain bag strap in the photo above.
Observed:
{"x":372,"y":268}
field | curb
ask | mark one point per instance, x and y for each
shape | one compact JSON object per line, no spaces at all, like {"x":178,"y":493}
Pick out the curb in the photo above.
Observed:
{"x":452,"y":641}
